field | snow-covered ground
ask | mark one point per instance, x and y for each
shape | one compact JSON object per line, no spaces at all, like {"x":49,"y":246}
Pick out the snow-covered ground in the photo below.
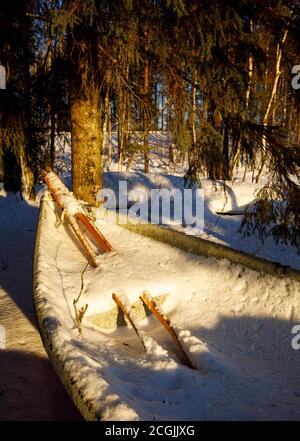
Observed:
{"x":29,"y":388}
{"x":236,"y":326}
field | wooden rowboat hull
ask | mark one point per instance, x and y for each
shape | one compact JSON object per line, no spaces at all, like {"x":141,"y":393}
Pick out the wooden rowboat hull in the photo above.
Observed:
{"x":56,"y":337}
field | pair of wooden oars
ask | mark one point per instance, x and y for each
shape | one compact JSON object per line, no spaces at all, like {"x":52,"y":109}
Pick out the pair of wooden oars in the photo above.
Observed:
{"x":59,"y":193}
{"x":151,"y":304}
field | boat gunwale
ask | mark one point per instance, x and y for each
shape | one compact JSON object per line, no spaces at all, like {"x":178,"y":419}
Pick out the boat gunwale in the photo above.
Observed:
{"x":85,"y":408}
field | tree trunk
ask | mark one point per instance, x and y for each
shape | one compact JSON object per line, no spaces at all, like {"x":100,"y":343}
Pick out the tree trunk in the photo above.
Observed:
{"x":127,"y":115}
{"x":271,"y":100}
{"x":163,"y":93}
{"x":169,"y":124}
{"x":193,"y":108}
{"x":146,"y":123}
{"x":52,"y":132}
{"x":171,"y":151}
{"x":109,"y":137}
{"x":11,"y":172}
{"x":236,"y":148}
{"x":226,"y":175}
{"x":156,"y":99}
{"x":27,"y":178}
{"x":121,"y":129}
{"x":28,"y":154}
{"x":86,"y":144}
{"x":104,"y":139}
{"x":250,"y":70}
{"x":298,"y":132}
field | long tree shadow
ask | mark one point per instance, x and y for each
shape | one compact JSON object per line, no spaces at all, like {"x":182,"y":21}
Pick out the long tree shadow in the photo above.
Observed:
{"x":30,"y":390}
{"x":18,"y":222}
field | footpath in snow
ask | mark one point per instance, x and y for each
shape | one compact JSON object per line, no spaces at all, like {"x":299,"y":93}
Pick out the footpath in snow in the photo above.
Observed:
{"x":29,"y":388}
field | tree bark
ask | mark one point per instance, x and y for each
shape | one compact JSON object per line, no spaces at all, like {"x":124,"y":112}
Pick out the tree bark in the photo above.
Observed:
{"x":121,"y":129}
{"x":104,"y":139}
{"x":226,"y":175}
{"x":86,"y":144}
{"x":250,"y":70}
{"x":52,"y":131}
{"x":27,"y":178}
{"x":146,"y":123}
{"x":193,"y":108}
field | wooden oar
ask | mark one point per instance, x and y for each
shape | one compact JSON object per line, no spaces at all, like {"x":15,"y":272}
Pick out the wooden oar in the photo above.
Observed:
{"x":130,"y":318}
{"x":166,"y":322}
{"x":91,"y":256}
{"x":59,"y":192}
{"x":95,"y":232}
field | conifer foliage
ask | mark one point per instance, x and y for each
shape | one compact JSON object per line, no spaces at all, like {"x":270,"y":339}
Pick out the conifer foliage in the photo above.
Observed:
{"x":216,"y":74}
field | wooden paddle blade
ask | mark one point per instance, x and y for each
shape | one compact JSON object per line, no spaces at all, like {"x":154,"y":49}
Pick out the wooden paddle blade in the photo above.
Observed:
{"x":95,"y":232}
{"x":127,"y":313}
{"x":166,"y":322}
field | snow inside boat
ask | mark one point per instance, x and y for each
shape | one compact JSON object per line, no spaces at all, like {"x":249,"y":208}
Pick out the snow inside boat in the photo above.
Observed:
{"x":234,"y":323}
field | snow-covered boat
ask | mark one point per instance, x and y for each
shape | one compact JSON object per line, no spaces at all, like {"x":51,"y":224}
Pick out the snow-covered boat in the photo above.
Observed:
{"x":234,"y":323}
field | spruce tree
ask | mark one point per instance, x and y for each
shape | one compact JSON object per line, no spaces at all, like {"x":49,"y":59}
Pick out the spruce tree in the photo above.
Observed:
{"x":16,"y":55}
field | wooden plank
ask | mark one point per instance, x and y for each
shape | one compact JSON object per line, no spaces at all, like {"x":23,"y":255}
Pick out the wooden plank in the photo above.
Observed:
{"x":166,"y":322}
